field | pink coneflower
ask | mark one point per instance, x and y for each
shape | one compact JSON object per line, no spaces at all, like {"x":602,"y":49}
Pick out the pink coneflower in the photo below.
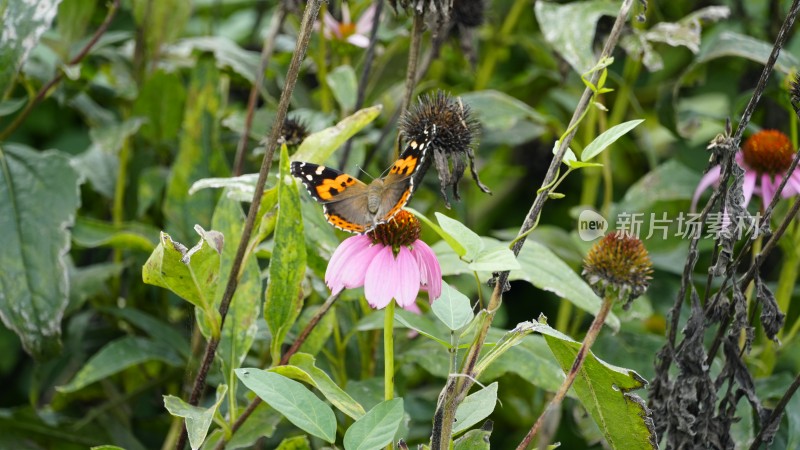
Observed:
{"x":765,"y":158}
{"x":390,"y":262}
{"x":354,"y":33}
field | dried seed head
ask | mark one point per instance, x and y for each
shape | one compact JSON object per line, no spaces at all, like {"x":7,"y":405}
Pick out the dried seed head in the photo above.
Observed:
{"x":451,"y":132}
{"x":618,"y":262}
{"x":293,"y":132}
{"x":469,"y":13}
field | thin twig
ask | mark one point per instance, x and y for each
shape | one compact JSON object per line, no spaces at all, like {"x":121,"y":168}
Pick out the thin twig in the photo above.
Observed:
{"x":112,"y":11}
{"x":266,"y":53}
{"x":284,"y":360}
{"x":306,"y":28}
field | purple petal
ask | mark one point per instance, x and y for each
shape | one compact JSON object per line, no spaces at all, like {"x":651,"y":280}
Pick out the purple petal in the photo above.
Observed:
{"x":430,"y":271}
{"x":359,"y":40}
{"x":349,"y":262}
{"x":381,"y":280}
{"x":748,"y":186}
{"x":364,"y":24}
{"x":408,"y":276}
{"x":767,"y":189}
{"x":708,"y":179}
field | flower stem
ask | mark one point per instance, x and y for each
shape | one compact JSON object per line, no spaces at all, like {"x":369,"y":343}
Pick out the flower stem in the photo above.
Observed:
{"x":591,"y":335}
{"x":388,"y":355}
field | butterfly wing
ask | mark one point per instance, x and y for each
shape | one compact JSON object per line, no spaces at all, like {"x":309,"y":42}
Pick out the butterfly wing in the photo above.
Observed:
{"x":399,"y":183}
{"x":343,"y":198}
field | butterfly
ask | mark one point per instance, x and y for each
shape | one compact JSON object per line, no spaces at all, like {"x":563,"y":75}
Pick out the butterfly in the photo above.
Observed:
{"x":353,"y":206}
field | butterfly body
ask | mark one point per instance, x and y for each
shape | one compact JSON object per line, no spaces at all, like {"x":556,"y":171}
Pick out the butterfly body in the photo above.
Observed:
{"x":354,"y":206}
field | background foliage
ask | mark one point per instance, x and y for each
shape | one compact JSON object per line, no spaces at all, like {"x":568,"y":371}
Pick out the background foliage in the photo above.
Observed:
{"x":116,"y":143}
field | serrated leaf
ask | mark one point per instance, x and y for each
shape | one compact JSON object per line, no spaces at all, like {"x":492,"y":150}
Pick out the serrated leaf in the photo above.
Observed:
{"x":466,"y":238}
{"x":607,"y":138}
{"x":288,"y":263}
{"x":377,"y":428}
{"x":319,"y":146}
{"x":38,"y":199}
{"x":475,"y":407}
{"x":24,"y":22}
{"x":318,"y":379}
{"x":117,"y":356}
{"x":605,"y":392}
{"x":200,"y":155}
{"x":293,"y":400}
{"x":342,"y":81}
{"x":197,"y":419}
{"x":545,"y":270}
{"x":570,"y":29}
{"x":191,"y":274}
{"x":452,"y":308}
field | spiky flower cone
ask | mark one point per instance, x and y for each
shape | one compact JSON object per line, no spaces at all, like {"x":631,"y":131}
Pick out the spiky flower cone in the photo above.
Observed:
{"x":620,"y":263}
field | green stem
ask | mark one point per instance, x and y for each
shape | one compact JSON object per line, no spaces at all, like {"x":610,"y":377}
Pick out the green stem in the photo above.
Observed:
{"x":388,"y":355}
{"x":485,"y":73}
{"x":564,"y":314}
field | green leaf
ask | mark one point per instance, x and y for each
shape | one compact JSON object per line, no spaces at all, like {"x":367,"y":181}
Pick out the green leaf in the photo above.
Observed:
{"x":303,"y":368}
{"x":89,"y":281}
{"x":499,"y":111}
{"x":9,"y":107}
{"x":117,"y":356}
{"x":197,"y":419}
{"x":295,"y":443}
{"x":605,"y":392}
{"x":245,"y":307}
{"x":191,"y":274}
{"x":200,"y":155}
{"x":546,"y":271}
{"x":377,"y":428}
{"x":729,"y":43}
{"x":106,"y":447}
{"x":288,"y":263}
{"x":160,"y":22}
{"x":669,"y":181}
{"x":570,"y":29}
{"x":475,"y":407}
{"x":319,"y":146}
{"x":93,"y":233}
{"x":162,"y":332}
{"x":73,"y":18}
{"x":100,"y":163}
{"x":23,"y":24}
{"x":608,"y":137}
{"x":342,"y":81}
{"x":495,"y":258}
{"x":262,"y":423}
{"x":793,"y":415}
{"x":475,"y":439}
{"x":38,"y":199}
{"x":227,"y":54}
{"x":422,"y":325}
{"x":293,"y":400}
{"x":467,"y":239}
{"x":452,"y":308}
{"x":161,"y":100}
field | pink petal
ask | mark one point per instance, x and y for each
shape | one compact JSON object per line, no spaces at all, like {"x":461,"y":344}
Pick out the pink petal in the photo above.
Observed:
{"x":794,"y":182}
{"x":413,"y":308}
{"x":331,"y":26}
{"x":748,"y":186}
{"x":767,"y":189}
{"x":364,"y":24}
{"x":345,"y":13}
{"x":430,"y":271}
{"x":380,"y":282}
{"x":358,"y":40}
{"x":407,"y":273}
{"x":348,"y":264}
{"x":708,"y":179}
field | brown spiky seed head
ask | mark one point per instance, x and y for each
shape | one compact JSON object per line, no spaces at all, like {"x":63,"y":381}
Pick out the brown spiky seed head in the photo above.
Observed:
{"x":768,"y":151}
{"x":401,"y":231}
{"x":294,"y":131}
{"x":618,"y":265}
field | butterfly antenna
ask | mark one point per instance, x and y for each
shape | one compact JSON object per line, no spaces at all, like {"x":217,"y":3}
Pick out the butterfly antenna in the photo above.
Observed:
{"x":365,"y":172}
